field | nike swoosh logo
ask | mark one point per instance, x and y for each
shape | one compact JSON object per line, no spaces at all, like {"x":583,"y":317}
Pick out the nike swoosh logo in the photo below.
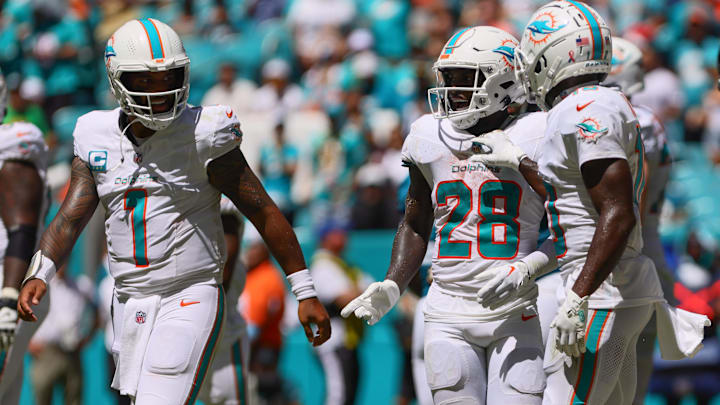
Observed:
{"x":527,"y":318}
{"x":21,"y":134}
{"x":581,"y":107}
{"x":512,"y":268}
{"x":184,"y":303}
{"x":229,"y":113}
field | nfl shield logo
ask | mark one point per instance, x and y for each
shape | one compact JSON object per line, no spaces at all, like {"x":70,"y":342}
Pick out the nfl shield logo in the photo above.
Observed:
{"x":140,"y":317}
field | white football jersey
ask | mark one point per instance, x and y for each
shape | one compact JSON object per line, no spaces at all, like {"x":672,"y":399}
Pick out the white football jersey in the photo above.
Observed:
{"x":484,"y":216}
{"x":162,"y":216}
{"x":23,"y":141}
{"x":659,"y":161}
{"x":592,"y":123}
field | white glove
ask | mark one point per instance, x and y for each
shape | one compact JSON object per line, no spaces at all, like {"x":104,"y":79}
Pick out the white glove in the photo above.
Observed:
{"x":501,"y":151}
{"x":8,"y":317}
{"x":569,"y":325}
{"x":374,"y":303}
{"x":509,"y":279}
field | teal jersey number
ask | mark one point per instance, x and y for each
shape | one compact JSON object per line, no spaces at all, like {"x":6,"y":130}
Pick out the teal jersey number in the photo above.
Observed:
{"x":554,"y":221}
{"x":136,"y":201}
{"x":639,"y":176}
{"x":498,"y":229}
{"x":461,"y":193}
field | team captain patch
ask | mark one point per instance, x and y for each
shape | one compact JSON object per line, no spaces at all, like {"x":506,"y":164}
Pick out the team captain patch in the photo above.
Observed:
{"x":590,"y":130}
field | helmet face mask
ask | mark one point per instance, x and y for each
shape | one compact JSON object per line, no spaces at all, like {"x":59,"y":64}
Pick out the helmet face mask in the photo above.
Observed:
{"x":475,"y":76}
{"x":151,"y":51}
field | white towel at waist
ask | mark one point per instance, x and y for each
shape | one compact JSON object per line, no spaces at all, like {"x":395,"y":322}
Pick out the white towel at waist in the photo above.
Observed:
{"x":131,"y":341}
{"x":680,"y":333}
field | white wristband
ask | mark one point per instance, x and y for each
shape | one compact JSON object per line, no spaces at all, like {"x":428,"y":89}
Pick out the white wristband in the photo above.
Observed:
{"x":41,"y":267}
{"x":301,"y":284}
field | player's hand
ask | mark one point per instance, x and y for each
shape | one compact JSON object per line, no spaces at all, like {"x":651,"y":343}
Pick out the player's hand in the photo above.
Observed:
{"x":498,"y":150}
{"x":569,"y":325}
{"x":311,"y":311}
{"x":509,"y":279}
{"x":31,"y":294}
{"x":8,"y":317}
{"x":374,"y":303}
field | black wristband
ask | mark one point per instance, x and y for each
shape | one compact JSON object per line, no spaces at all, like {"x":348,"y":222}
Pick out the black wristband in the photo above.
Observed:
{"x":21,"y":242}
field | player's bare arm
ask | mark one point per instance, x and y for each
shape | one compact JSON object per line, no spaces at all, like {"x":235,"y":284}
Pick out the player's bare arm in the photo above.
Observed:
{"x":57,"y":241}
{"x":413,"y":232}
{"x":408,"y":251}
{"x":21,"y":195}
{"x":609,"y":183}
{"x":531,"y":173}
{"x":231,"y":175}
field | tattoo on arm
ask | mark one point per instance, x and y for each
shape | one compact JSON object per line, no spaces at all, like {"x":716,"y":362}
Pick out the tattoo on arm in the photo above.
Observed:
{"x":75,"y":212}
{"x":21,"y":196}
{"x":413,"y":233}
{"x":232,"y":176}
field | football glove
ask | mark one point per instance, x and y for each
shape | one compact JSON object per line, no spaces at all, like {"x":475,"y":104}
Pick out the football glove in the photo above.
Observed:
{"x":569,"y":325}
{"x":509,"y":279}
{"x":8,"y":317}
{"x":498,"y":150}
{"x":377,"y":300}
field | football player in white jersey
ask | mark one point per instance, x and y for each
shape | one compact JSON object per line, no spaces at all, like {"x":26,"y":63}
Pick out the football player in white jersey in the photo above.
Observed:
{"x":23,"y":203}
{"x":487,"y":220}
{"x":592,"y":167}
{"x":227,"y":382}
{"x":158,"y":167}
{"x":627,"y":74}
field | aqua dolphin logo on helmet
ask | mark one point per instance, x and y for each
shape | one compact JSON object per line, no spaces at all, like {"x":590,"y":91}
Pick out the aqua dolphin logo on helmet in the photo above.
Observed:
{"x":545,"y":25}
{"x":507,"y":51}
{"x":590,"y":129}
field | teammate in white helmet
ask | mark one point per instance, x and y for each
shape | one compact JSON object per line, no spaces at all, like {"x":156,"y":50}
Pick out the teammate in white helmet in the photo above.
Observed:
{"x":478,"y":349}
{"x":158,"y":167}
{"x":23,"y":204}
{"x":627,"y":74}
{"x":592,"y":167}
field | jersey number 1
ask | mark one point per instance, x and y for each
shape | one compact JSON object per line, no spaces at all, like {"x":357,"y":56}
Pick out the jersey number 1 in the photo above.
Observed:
{"x":136,"y":201}
{"x":498,"y":229}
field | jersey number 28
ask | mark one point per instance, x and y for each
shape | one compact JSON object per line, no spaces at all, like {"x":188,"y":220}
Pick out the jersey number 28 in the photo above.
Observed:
{"x":497,"y":230}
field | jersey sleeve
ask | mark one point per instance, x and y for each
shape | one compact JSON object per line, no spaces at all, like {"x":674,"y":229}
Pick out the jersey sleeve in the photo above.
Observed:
{"x":25,"y":143}
{"x":598,"y":135}
{"x":225,"y":136}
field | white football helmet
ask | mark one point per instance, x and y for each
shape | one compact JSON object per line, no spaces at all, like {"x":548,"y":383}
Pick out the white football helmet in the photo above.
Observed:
{"x":489,"y":52}
{"x":626,"y":72}
{"x":564,"y":39}
{"x":146,"y":45}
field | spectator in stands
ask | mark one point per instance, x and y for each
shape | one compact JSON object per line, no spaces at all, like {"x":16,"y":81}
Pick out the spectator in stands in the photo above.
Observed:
{"x":230,"y":90}
{"x":57,"y":344}
{"x":277,"y":95}
{"x":278,"y":163}
{"x":25,"y":102}
{"x":374,"y":208}
{"x":339,"y":282}
{"x":262,"y":303}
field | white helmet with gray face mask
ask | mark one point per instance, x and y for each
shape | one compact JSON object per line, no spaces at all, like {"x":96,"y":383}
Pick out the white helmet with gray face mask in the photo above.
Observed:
{"x":475,"y":76}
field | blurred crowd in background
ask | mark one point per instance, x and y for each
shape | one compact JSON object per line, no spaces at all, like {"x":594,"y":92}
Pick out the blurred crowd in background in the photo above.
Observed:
{"x":326,"y":90}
